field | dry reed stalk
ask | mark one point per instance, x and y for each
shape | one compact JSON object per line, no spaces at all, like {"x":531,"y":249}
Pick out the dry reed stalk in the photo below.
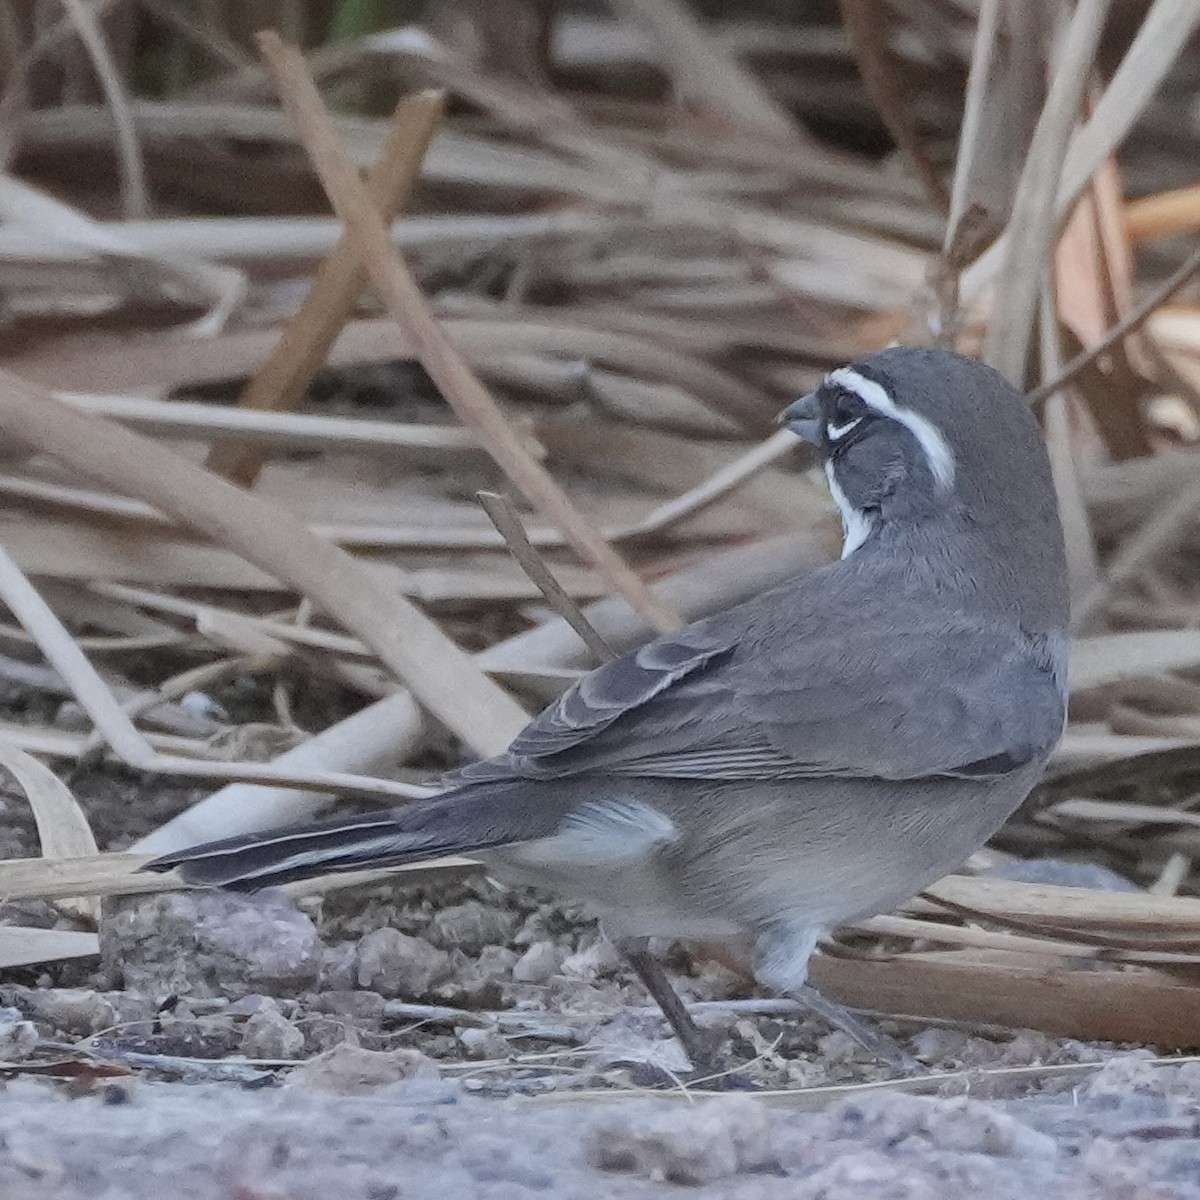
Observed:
{"x":1119,"y":1005}
{"x":403,"y":637}
{"x":61,"y":651}
{"x":222,"y":288}
{"x":374,"y":737}
{"x":134,"y":193}
{"x":1132,"y":321}
{"x":1161,"y":38}
{"x":304,"y":345}
{"x":459,"y":385}
{"x":286,"y":430}
{"x":1034,"y":212}
{"x":1163,"y":214}
{"x":63,"y":829}
{"x":705,"y":73}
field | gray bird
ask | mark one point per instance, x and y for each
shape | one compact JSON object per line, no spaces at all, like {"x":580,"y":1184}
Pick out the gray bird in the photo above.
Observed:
{"x":813,"y":756}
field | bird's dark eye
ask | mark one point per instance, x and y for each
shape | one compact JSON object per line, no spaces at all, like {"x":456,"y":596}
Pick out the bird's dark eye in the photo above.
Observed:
{"x":845,"y":416}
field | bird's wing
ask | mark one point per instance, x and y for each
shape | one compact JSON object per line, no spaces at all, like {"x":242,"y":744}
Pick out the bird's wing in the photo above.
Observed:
{"x":951,"y":698}
{"x":725,"y":699}
{"x":568,"y":734}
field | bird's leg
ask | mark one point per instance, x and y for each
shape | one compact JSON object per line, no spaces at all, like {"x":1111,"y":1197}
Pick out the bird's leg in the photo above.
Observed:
{"x":697,"y":1045}
{"x":782,"y":955}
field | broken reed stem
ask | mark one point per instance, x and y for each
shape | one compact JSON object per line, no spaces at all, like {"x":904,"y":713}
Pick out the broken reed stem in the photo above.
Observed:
{"x":508,"y":524}
{"x":95,"y":697}
{"x":1034,"y":217}
{"x":1165,"y":525}
{"x":405,"y":303}
{"x":1130,"y":323}
{"x":716,"y":487}
{"x":280,"y":384}
{"x":982,"y":54}
{"x":1164,"y":32}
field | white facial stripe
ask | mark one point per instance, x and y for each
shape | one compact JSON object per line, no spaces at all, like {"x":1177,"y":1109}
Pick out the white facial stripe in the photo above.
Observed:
{"x":836,"y":432}
{"x":873,"y":395}
{"x":856,"y":525}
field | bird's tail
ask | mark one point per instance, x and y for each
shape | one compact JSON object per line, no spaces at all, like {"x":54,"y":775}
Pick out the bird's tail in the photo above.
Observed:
{"x":460,"y":822}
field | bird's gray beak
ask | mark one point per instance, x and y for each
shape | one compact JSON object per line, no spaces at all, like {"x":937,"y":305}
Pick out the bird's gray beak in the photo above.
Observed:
{"x":803,"y":418}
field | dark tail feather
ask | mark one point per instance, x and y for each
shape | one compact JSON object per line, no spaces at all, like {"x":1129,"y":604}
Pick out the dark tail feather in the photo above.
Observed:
{"x":458,"y":823}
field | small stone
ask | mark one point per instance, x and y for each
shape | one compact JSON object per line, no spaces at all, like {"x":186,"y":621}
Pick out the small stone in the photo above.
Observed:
{"x":73,"y":1011}
{"x":338,"y":967}
{"x":482,"y":1043}
{"x":695,"y":1145}
{"x":480,"y":984}
{"x":269,"y":1034}
{"x":210,"y":943}
{"x":209,"y":1006}
{"x":71,"y":716}
{"x":1187,"y":1079}
{"x":393,"y":964}
{"x":247,"y":1006}
{"x":322,"y":1034}
{"x":18,"y":1037}
{"x":471,"y":926}
{"x":365,"y":1009}
{"x":539,"y":964}
{"x":351,"y":1071}
{"x":1124,"y":1074}
{"x":132,"y":1012}
{"x":600,"y":958}
{"x":937,"y":1045}
{"x":959,"y":1124}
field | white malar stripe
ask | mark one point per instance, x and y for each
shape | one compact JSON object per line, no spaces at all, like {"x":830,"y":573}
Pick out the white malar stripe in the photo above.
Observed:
{"x":835,"y":433}
{"x":937,"y":454}
{"x":856,"y":525}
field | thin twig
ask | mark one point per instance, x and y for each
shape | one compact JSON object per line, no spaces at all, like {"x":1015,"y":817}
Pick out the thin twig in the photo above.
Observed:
{"x":340,"y":783}
{"x":129,"y":150}
{"x":508,"y":523}
{"x":716,"y":487}
{"x":1160,"y":531}
{"x":446,"y":366}
{"x":866,"y":22}
{"x":1132,"y":321}
{"x":1082,"y":563}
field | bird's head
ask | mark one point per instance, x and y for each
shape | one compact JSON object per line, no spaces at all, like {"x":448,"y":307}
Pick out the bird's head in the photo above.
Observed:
{"x":908,"y":434}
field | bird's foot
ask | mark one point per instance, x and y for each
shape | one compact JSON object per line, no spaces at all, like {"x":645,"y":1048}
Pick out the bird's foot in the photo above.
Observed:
{"x":709,"y":1075}
{"x":878,"y":1044}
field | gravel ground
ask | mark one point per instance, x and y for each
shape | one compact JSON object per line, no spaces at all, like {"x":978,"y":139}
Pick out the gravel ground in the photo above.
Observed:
{"x":456,"y":1038}
{"x":1132,"y":1132}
